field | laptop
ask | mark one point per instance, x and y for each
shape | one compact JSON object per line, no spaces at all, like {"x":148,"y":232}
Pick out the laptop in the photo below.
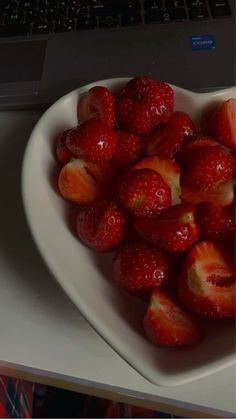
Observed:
{"x":49,"y":47}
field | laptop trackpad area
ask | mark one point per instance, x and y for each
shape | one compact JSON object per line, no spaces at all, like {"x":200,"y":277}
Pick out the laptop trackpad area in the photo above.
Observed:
{"x":21,"y":67}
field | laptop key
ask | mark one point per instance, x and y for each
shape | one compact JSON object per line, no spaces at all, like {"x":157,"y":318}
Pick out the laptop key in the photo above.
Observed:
{"x":14,"y":29}
{"x":172,"y":4}
{"x":196,"y":3}
{"x":64,"y":25}
{"x":86,"y":23}
{"x":131,"y":19}
{"x":220,"y":8}
{"x":41,"y":27}
{"x":198,"y":13}
{"x":154,"y":16}
{"x":77,"y":11}
{"x":106,"y":7}
{"x":153,"y":5}
{"x":110,"y":21}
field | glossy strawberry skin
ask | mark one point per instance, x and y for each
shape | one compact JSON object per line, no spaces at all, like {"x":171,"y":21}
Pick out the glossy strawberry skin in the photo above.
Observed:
{"x":84,"y":182}
{"x":167,"y":324}
{"x":143,"y":103}
{"x":93,"y":141}
{"x":138,"y":267}
{"x":143,"y":193}
{"x":168,"y":169}
{"x":102,"y":226}
{"x":222,"y":123}
{"x":173,"y":230}
{"x":128,"y":150}
{"x":98,"y":103}
{"x":208,"y":167}
{"x":206,"y":284}
{"x":167,"y":139}
{"x":214,"y":222}
{"x":63,"y":154}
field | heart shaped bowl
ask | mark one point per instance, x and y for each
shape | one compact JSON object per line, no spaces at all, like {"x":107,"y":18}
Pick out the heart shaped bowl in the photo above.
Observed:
{"x":84,"y":275}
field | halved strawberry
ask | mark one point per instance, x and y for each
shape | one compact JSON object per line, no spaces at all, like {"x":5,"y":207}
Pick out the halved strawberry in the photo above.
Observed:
{"x":206,"y":284}
{"x":214,"y":222}
{"x":222,"y":123}
{"x":174,"y":230}
{"x":92,"y":140}
{"x":138,"y":267}
{"x":168,"y":169}
{"x":128,"y":150}
{"x":143,"y":193}
{"x":165,"y":323}
{"x":166,"y":139}
{"x":84,"y":182}
{"x":98,"y":103}
{"x":102,"y":226}
{"x":63,"y":154}
{"x":208,"y":167}
{"x":221,"y":195}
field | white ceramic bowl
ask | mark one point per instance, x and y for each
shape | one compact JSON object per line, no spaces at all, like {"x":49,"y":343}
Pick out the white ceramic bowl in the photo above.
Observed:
{"x":84,"y":275}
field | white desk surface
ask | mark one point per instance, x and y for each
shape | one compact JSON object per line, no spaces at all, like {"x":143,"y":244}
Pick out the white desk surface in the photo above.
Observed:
{"x":43,"y":337}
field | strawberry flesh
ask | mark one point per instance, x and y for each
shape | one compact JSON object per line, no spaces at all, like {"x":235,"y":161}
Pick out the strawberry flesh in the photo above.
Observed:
{"x":98,"y":103}
{"x":222,"y":123}
{"x":167,"y":324}
{"x":206,"y":284}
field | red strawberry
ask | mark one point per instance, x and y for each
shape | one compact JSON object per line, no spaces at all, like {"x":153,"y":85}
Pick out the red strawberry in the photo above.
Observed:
{"x":169,"y":171}
{"x":165,"y":323}
{"x":206,"y":284}
{"x":92,"y":140}
{"x":84,"y":182}
{"x":221,"y":195}
{"x":143,"y":103}
{"x":193,"y":144}
{"x":63,"y":154}
{"x":98,"y":103}
{"x":214,"y":222}
{"x":102,"y":226}
{"x":173,"y":230}
{"x":166,"y":140}
{"x":128,"y":150}
{"x":143,"y":193}
{"x":138,"y":267}
{"x":208,"y":167}
{"x":222,"y":123}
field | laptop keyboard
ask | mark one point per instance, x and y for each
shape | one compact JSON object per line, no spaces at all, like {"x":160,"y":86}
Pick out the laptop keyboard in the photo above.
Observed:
{"x":35,"y":17}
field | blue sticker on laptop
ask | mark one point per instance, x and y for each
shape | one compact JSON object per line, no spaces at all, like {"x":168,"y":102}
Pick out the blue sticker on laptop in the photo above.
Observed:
{"x":202,"y":42}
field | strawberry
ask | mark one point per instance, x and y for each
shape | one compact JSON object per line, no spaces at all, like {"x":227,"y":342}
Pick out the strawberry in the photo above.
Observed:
{"x":222,"y":123}
{"x":84,"y":182}
{"x":102,"y":226}
{"x":143,"y":193}
{"x":173,"y":230}
{"x":98,"y":103}
{"x":214,"y":222}
{"x":128,"y":150}
{"x":191,"y":145}
{"x":221,"y":195}
{"x":206,"y":284}
{"x":168,"y":169}
{"x":207,"y":167}
{"x":138,"y":267}
{"x":92,"y":140}
{"x":166,"y":140}
{"x":165,"y":323}
{"x":143,"y":103}
{"x":63,"y":154}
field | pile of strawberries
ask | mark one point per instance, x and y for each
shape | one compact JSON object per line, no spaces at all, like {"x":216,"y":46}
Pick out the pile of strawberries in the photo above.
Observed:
{"x":159,"y":192}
